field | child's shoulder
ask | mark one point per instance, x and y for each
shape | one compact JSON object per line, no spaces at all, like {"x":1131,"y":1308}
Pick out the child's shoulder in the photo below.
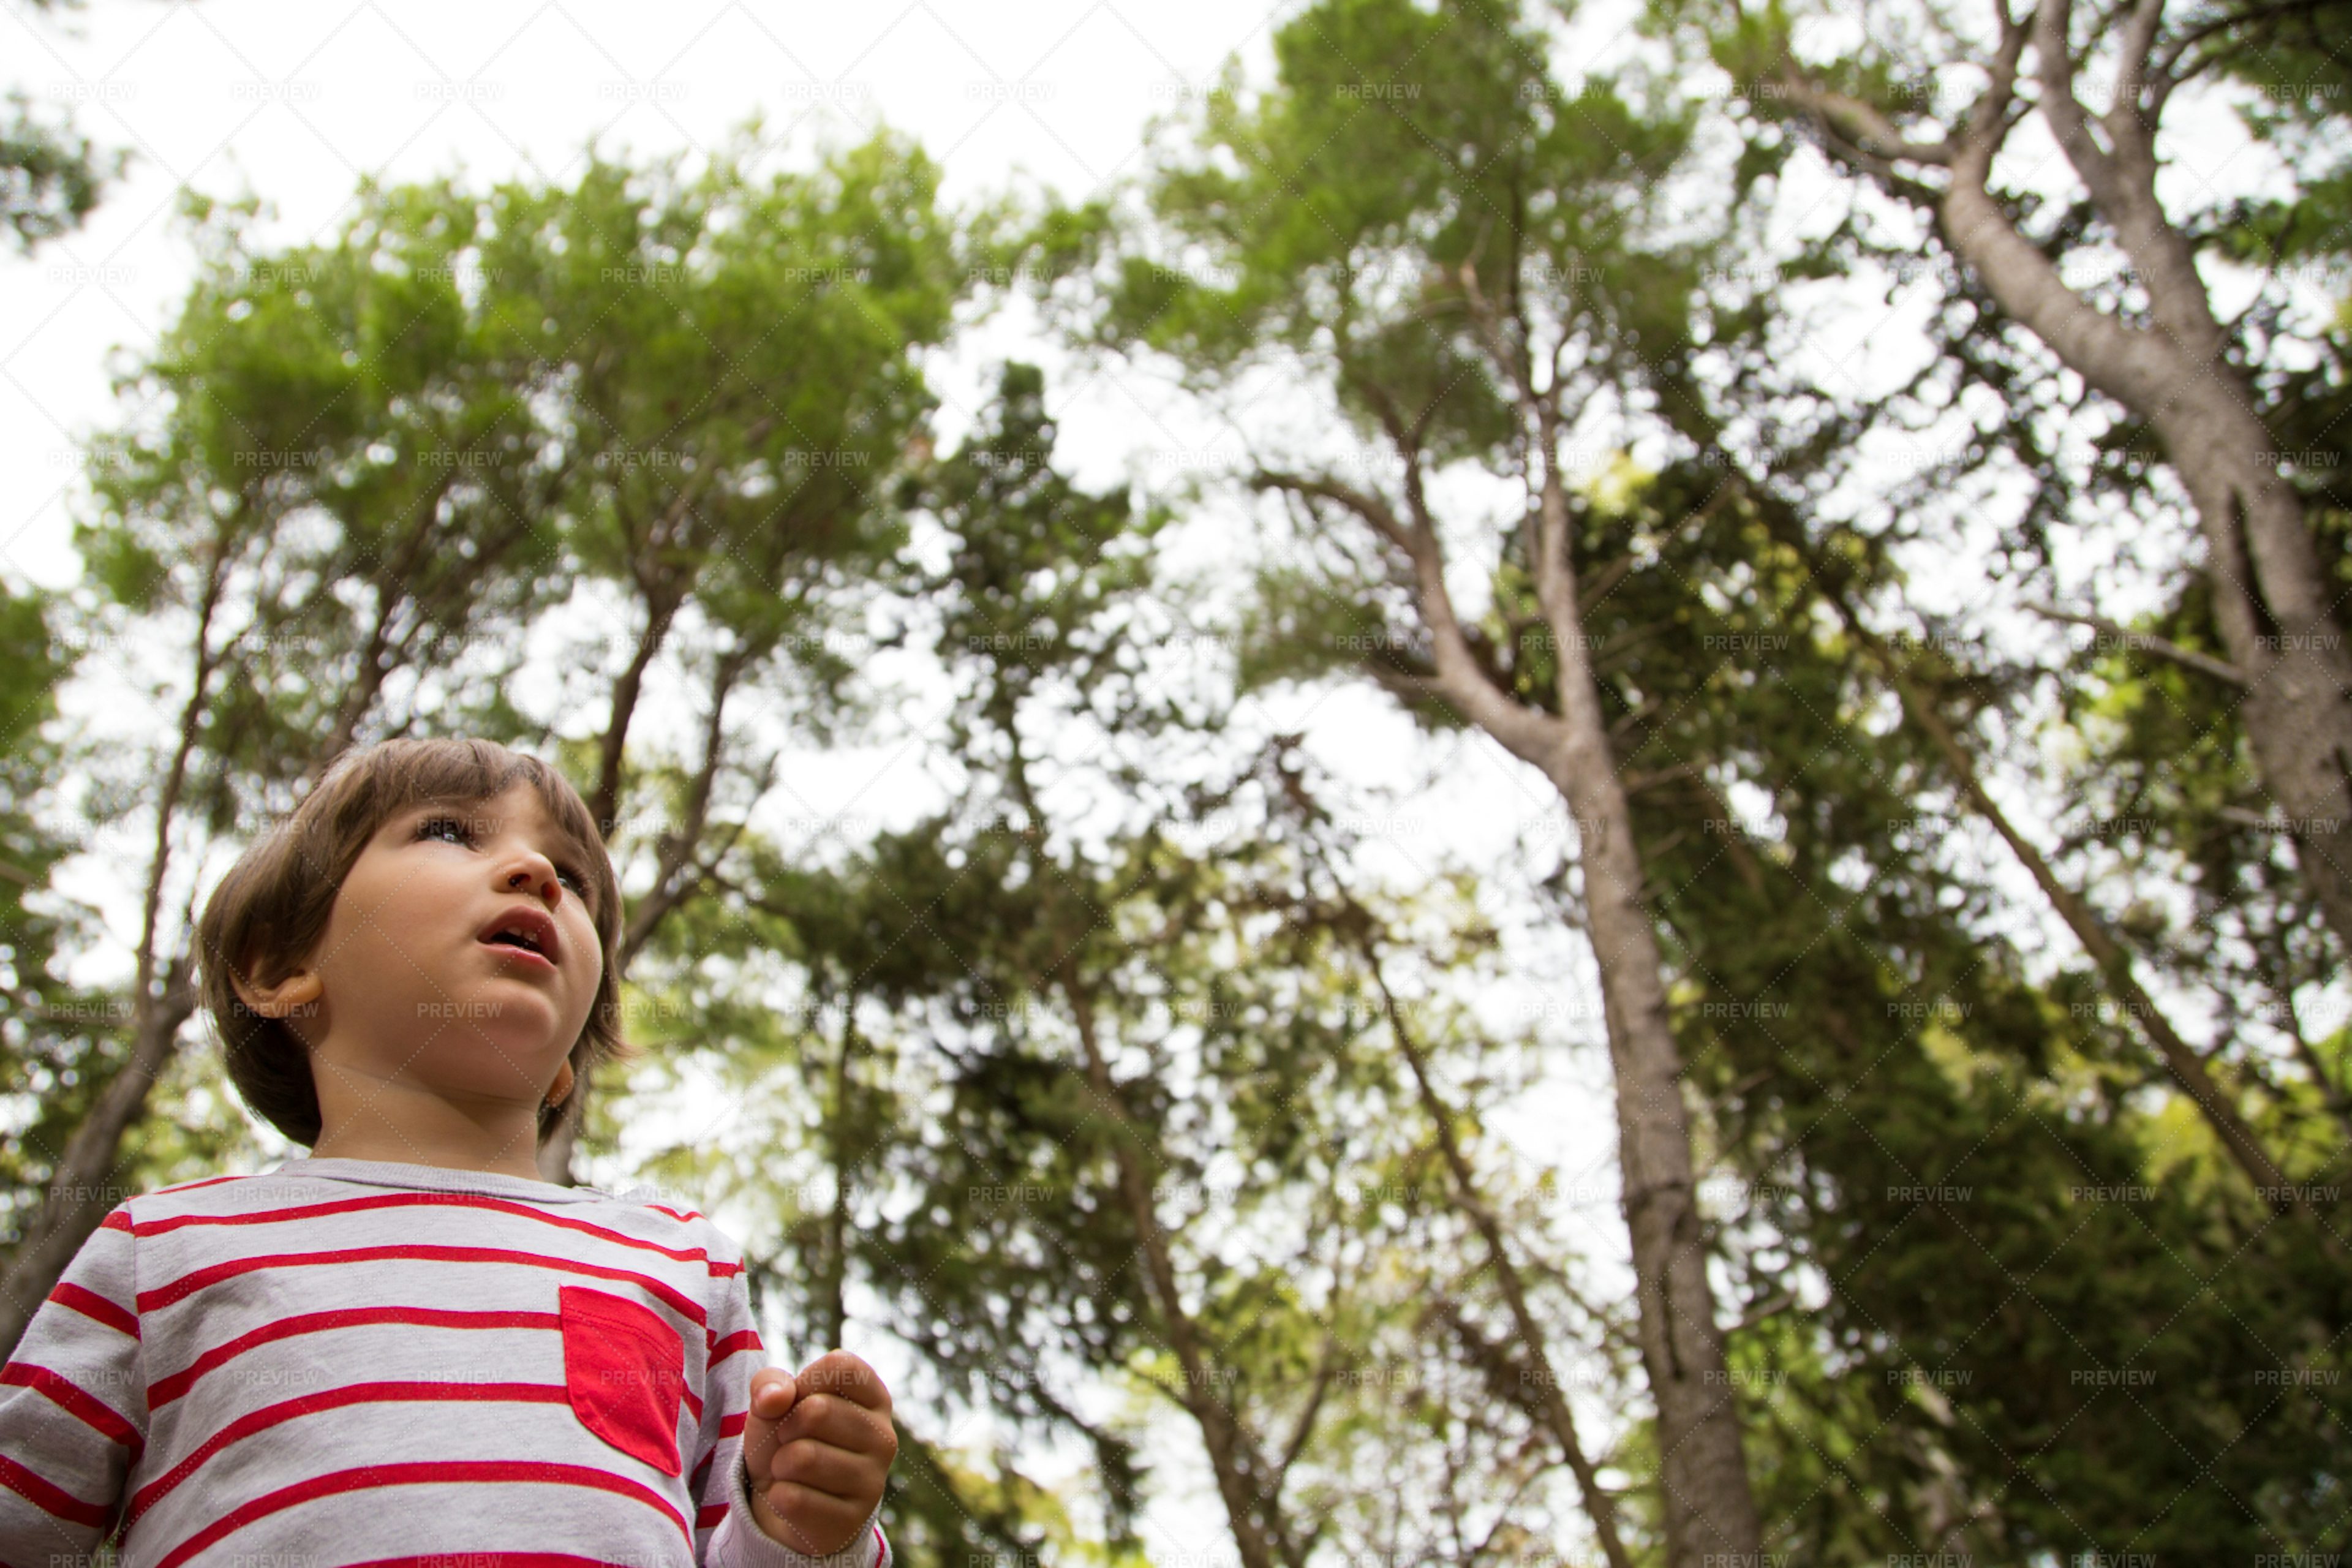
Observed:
{"x":204,"y":1194}
{"x":664,"y":1207}
{"x":313,"y":1189}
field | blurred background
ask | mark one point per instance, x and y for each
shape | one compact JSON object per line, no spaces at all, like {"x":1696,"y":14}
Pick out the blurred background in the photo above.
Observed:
{"x":1400,"y":782}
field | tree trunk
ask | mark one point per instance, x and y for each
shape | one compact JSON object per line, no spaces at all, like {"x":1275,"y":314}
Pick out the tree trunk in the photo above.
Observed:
{"x":2107,"y":952}
{"x":72,"y":1209}
{"x":1705,"y":1504}
{"x":2270,"y":600}
{"x":1709,"y":1512}
{"x":831,"y":1295}
{"x":2187,"y":1068}
{"x":604,"y":803}
{"x":81,"y":1191}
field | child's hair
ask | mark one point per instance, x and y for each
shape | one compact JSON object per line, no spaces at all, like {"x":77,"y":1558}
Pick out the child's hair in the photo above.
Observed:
{"x":270,"y":911}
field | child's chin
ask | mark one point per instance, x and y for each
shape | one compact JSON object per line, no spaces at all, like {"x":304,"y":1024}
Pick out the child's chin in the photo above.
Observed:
{"x":506,"y":1076}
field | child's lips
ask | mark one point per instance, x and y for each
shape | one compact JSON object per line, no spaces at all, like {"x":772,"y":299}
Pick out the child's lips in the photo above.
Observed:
{"x":528,"y":959}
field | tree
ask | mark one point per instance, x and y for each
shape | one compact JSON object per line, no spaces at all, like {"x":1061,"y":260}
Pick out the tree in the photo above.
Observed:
{"x":1523,"y":1365}
{"x":730,"y":376}
{"x":1466,"y":262}
{"x":383,"y":456}
{"x":1048,"y":1125}
{"x":2149,"y":338}
{"x":50,"y":177}
{"x":2010,"y":1220}
{"x":1037,"y":614}
{"x":54,"y":1032}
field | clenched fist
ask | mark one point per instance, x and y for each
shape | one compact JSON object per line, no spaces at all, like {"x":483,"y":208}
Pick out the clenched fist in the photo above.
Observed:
{"x":818,"y":1447}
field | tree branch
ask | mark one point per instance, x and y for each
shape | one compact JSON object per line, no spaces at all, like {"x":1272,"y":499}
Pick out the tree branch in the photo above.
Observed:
{"x":2054,"y":68}
{"x":2203,"y":664}
{"x":1370,"y":507}
{"x":1862,"y":129}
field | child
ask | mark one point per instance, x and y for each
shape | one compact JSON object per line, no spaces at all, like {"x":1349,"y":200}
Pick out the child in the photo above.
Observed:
{"x":407,"y":1348}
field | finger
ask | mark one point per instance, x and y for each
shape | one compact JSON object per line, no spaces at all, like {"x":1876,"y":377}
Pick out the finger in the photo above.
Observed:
{"x":769,"y":1406}
{"x":842,"y":1473}
{"x":824,"y":1419}
{"x":774,"y":1394}
{"x":842,"y":1374}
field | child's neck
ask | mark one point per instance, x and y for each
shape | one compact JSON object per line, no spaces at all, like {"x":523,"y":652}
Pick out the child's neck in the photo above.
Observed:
{"x":449,"y":1140}
{"x":395,"y":1153}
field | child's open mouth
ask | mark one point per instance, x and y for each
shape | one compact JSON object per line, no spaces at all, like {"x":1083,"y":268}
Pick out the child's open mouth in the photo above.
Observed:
{"x":527,"y":934}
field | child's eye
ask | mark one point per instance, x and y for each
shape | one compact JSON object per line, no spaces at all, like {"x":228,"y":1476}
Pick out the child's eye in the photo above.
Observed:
{"x":432,"y":826}
{"x":458,"y":830}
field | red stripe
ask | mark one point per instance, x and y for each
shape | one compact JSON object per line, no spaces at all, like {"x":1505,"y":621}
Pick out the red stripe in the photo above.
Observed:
{"x":458,"y":1200}
{"x":709,"y":1514}
{"x":116,"y":1219}
{"x":269,"y":1416}
{"x":164,"y":1390}
{"x":69,"y":1396}
{"x":48,"y":1499}
{"x":702,"y":1471}
{"x":732,"y":1426}
{"x":197,"y":1279}
{"x":682,"y":1218}
{"x":745,"y":1339}
{"x":91,"y":1304}
{"x":422,"y":1474}
{"x":497,"y":1560}
{"x":206,"y":1182}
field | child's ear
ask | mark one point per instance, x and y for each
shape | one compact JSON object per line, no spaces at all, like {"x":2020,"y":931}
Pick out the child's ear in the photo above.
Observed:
{"x":279,"y":998}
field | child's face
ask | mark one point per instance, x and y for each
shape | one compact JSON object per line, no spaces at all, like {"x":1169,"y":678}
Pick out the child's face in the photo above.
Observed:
{"x":419,"y":999}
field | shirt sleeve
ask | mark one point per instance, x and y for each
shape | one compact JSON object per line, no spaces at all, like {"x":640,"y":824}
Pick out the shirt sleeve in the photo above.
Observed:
{"x":73,"y":1406}
{"x":719,"y":1481}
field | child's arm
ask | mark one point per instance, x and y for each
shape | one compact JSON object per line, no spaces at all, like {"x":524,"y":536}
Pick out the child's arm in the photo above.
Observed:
{"x":73,"y":1406}
{"x":717,"y":1475}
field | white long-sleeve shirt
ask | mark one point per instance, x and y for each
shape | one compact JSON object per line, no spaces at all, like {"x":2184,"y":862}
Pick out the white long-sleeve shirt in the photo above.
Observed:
{"x":343,"y":1361}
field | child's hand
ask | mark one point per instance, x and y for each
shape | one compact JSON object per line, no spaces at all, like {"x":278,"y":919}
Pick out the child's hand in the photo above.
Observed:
{"x":818,"y":1447}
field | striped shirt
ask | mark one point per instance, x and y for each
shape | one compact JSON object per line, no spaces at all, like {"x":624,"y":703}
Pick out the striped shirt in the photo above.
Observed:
{"x":344,"y":1361}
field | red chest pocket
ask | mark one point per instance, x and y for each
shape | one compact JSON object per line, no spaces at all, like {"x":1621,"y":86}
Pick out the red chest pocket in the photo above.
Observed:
{"x":624,"y":1372}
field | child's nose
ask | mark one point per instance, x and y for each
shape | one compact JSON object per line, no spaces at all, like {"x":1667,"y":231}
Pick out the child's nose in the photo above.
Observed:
{"x":546,"y":887}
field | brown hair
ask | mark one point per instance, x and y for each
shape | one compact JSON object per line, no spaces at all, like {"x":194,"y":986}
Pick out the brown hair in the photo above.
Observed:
{"x":271,"y":909}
